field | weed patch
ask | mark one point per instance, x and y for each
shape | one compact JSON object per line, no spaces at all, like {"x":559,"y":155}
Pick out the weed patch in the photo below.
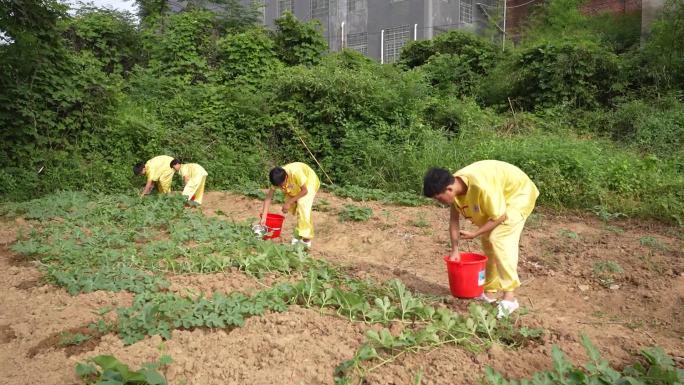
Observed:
{"x":355,"y":213}
{"x":656,"y":368}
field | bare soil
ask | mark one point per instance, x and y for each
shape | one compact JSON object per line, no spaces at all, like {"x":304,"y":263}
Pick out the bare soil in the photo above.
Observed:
{"x":566,"y":290}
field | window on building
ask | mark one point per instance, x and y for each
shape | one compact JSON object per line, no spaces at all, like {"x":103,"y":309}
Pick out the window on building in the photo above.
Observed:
{"x":467,"y":11}
{"x":319,"y":9}
{"x":356,"y":5}
{"x":358,"y":42}
{"x":285,"y":5}
{"x":395,"y":39}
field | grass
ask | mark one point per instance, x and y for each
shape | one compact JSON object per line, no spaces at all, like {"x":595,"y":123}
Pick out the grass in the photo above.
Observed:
{"x":355,"y":213}
{"x":653,"y":243}
{"x":606,"y":271}
{"x":419,"y":221}
{"x":568,"y":234}
{"x":71,"y":339}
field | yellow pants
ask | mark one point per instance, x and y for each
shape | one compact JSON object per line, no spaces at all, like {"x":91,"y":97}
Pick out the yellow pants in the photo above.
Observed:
{"x":303,"y":208}
{"x":164,"y":184}
{"x":194,"y":189}
{"x":501,"y":248}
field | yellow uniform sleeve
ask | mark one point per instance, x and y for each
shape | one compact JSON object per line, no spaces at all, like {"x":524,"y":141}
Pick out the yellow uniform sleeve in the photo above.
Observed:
{"x":299,"y":174}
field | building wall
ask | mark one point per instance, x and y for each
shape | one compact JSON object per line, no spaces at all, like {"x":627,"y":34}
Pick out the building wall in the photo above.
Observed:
{"x":651,"y":9}
{"x":365,"y":20}
{"x":595,"y":7}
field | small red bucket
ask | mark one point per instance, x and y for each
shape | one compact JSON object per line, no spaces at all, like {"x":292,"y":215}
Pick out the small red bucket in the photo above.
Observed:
{"x":274,"y":224}
{"x":467,"y":276}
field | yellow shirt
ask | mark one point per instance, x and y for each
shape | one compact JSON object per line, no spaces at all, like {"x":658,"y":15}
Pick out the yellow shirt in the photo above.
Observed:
{"x":192,"y":170}
{"x":159,"y":168}
{"x":495,"y":188}
{"x":298,"y":175}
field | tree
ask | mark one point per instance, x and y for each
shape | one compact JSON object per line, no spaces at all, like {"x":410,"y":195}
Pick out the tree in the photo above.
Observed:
{"x":111,"y":36}
{"x":297,"y":42}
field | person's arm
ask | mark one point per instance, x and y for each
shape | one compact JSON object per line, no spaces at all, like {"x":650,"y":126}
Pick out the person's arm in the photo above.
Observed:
{"x":487,"y":227}
{"x":454,"y":234}
{"x":148,"y":187}
{"x":185,"y":179}
{"x":267,"y":204}
{"x":292,"y":200}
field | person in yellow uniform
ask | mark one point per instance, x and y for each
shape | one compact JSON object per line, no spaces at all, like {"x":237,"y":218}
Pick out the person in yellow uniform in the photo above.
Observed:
{"x":300,"y":185}
{"x":194,"y":177}
{"x":497,"y":197}
{"x":158,"y":173}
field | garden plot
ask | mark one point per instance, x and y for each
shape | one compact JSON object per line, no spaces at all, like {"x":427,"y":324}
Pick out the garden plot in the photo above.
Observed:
{"x":227,"y":308}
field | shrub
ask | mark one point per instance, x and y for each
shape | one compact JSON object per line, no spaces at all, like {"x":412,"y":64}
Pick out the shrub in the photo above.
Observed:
{"x":249,"y":56}
{"x":450,"y":74}
{"x":109,"y":35}
{"x":297,"y":42}
{"x":476,"y":53}
{"x":577,"y":73}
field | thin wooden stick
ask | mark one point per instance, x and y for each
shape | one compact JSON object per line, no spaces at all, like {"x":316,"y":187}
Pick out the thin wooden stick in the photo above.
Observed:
{"x":601,"y":323}
{"x":312,"y":155}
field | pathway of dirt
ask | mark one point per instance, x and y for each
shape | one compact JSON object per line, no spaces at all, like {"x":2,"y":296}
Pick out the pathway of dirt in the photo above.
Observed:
{"x":563,"y":291}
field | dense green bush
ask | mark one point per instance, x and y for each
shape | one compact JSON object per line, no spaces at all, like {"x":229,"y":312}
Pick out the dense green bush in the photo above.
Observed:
{"x":109,"y":35}
{"x":297,"y":42}
{"x":248,"y":56}
{"x":83,"y":98}
{"x":662,"y":53}
{"x":478,"y":54}
{"x":336,"y":110}
{"x":185,"y":47}
{"x":577,"y":73}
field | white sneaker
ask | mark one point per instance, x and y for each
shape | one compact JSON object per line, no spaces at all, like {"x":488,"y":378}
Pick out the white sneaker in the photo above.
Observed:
{"x":483,"y":297}
{"x":507,"y":307}
{"x":306,"y":244}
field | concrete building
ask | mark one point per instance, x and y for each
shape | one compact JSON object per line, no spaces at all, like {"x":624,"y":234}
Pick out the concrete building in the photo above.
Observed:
{"x":380,"y":28}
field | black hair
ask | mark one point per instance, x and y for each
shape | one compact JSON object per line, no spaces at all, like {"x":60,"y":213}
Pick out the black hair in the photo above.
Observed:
{"x":138,"y":168}
{"x":174,"y":162}
{"x":277,"y":176}
{"x":436,"y":181}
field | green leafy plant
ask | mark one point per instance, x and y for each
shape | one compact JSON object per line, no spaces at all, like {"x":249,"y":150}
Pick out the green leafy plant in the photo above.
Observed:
{"x":70,"y":339}
{"x":657,"y":369}
{"x":355,"y":213}
{"x":107,"y":370}
{"x":568,"y":234}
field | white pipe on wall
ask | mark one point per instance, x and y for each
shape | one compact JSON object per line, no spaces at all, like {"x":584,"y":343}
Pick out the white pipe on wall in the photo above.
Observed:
{"x":382,"y":46}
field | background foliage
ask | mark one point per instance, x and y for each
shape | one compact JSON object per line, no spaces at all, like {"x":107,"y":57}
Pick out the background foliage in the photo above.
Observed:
{"x":591,"y":113}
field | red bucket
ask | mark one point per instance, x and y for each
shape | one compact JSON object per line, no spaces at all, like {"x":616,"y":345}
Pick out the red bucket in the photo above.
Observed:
{"x":467,"y":276}
{"x":274,"y":224}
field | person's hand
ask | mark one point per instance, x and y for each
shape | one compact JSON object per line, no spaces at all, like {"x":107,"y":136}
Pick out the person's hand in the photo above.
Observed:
{"x":262,"y":221}
{"x":467,"y":234}
{"x":286,"y":206}
{"x":455,"y":256}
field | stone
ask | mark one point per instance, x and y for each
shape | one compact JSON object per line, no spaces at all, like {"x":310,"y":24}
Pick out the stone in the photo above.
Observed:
{"x":583,"y":287}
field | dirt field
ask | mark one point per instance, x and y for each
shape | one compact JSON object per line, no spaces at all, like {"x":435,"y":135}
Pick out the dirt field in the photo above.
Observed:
{"x":566,"y":290}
